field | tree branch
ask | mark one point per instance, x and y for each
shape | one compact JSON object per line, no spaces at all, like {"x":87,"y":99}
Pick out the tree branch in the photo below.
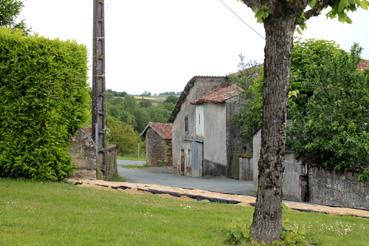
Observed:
{"x":253,"y":4}
{"x":315,"y":11}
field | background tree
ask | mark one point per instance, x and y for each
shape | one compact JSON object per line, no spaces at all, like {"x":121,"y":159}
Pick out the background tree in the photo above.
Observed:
{"x":9,"y":11}
{"x":280,"y":19}
{"x":123,"y":135}
{"x":327,"y":106}
{"x":131,"y":114}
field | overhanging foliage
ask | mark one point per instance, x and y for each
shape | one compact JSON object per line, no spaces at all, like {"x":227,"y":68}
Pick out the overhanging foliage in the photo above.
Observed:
{"x":328,"y":106}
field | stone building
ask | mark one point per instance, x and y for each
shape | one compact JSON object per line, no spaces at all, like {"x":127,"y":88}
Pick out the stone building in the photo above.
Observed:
{"x":158,"y":137}
{"x":205,"y":140}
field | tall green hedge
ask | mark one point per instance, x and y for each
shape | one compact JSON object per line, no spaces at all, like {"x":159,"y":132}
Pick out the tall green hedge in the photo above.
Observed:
{"x":43,"y":100}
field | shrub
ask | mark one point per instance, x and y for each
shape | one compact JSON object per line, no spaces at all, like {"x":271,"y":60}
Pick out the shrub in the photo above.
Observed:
{"x":44,"y":99}
{"x":292,"y":234}
{"x":328,"y":106}
{"x":123,"y":135}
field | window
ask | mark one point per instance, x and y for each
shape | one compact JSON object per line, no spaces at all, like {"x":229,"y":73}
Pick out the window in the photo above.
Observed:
{"x":186,"y":124}
{"x":200,"y":120}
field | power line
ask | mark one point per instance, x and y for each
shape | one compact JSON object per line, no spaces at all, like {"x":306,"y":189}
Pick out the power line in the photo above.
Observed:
{"x":108,"y":5}
{"x":242,"y":20}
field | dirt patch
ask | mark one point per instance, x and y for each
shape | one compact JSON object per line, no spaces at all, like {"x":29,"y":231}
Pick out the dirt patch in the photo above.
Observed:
{"x":180,"y":193}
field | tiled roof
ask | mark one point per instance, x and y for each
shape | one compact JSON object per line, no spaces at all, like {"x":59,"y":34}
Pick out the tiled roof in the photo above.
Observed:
{"x":164,"y":130}
{"x":186,"y":91}
{"x":363,"y":65}
{"x":219,"y":95}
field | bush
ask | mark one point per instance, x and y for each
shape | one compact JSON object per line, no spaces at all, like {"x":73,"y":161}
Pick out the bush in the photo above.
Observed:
{"x":44,"y":99}
{"x":329,"y":114}
{"x":328,"y":106}
{"x":292,"y":234}
{"x":123,"y":135}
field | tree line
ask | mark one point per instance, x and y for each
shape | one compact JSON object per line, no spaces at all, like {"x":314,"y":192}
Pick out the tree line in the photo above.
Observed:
{"x":128,"y":115}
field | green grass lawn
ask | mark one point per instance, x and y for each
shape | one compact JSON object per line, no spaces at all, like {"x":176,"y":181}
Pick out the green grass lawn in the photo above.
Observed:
{"x":155,"y":100}
{"x":34,"y":213}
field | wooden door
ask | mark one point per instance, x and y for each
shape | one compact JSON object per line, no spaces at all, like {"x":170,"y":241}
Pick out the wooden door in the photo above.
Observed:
{"x":196,"y":159}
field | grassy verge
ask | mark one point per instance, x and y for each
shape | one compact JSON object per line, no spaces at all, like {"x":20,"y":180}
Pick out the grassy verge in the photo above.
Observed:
{"x":33,"y":213}
{"x":132,"y":158}
{"x":116,"y":178}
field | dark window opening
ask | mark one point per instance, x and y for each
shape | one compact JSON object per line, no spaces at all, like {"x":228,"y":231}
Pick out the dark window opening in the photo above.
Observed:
{"x":186,"y":124}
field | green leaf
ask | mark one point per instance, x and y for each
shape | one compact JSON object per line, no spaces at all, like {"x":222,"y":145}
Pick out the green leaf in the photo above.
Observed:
{"x":342,"y":17}
{"x":364,"y":4}
{"x":293,"y":93}
{"x":342,"y":5}
{"x":261,"y":13}
{"x":312,"y":3}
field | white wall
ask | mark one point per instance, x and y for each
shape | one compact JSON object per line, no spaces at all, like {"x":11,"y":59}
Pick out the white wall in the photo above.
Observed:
{"x":200,"y":120}
{"x":215,"y":133}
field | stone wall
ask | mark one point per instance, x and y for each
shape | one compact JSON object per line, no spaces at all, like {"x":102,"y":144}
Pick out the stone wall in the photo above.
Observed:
{"x":246,"y":169}
{"x":294,"y":179}
{"x":214,"y":169}
{"x":337,"y":189}
{"x":256,"y":146}
{"x":158,"y":150}
{"x":317,"y":185}
{"x":294,"y":175}
{"x":83,"y":154}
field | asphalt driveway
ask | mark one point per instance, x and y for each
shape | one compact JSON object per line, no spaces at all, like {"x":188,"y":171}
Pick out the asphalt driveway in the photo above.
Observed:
{"x":163,"y":176}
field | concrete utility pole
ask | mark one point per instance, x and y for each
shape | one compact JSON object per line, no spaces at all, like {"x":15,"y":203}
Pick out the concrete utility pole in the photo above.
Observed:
{"x":98,"y":87}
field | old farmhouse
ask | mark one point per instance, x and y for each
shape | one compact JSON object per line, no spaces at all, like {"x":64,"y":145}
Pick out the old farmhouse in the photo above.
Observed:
{"x":158,"y":137}
{"x":205,"y":138}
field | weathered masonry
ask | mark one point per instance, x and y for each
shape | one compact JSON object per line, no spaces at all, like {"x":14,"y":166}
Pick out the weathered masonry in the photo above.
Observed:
{"x":310,"y":183}
{"x":158,"y":139}
{"x":82,"y":151}
{"x":205,"y":138}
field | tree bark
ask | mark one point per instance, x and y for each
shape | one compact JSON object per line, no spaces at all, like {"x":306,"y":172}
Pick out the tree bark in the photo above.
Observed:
{"x":267,"y":220}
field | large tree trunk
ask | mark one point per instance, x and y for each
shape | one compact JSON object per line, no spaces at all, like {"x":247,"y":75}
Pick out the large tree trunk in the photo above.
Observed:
{"x":267,"y":221}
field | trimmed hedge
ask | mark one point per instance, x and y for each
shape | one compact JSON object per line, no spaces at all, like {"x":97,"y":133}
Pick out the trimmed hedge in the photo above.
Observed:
{"x":43,"y":100}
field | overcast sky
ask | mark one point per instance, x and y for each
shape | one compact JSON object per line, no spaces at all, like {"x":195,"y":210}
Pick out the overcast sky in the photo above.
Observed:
{"x":159,"y":45}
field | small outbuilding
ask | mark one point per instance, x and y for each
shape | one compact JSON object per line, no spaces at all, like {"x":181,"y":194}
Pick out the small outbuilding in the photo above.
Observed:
{"x":158,"y":139}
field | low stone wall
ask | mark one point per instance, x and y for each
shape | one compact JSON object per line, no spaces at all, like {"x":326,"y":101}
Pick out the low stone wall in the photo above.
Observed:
{"x":295,"y":186}
{"x":214,"y":169}
{"x":316,"y":185}
{"x":246,"y":169}
{"x":337,"y":189}
{"x":83,"y":154}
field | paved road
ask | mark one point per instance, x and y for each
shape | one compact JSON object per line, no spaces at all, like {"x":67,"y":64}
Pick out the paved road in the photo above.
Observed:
{"x":162,"y":176}
{"x":130,"y":163}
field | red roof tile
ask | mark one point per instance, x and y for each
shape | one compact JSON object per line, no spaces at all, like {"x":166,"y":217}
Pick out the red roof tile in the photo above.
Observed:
{"x":163,"y":129}
{"x":219,"y":94}
{"x":363,"y":65}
